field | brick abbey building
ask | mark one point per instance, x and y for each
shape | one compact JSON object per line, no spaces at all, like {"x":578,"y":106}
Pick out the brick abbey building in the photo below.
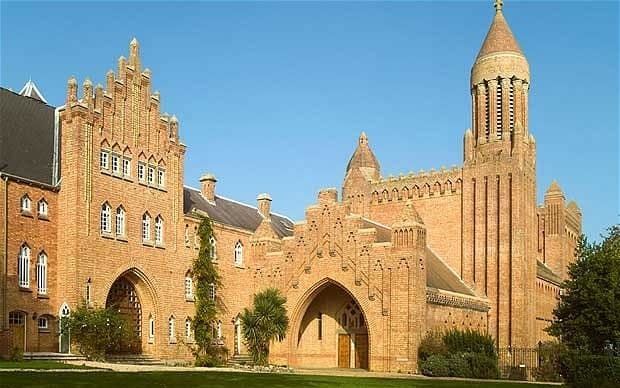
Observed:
{"x":94,"y":210}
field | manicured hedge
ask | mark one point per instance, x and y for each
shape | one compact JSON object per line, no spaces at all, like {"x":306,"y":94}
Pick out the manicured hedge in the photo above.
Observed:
{"x":458,"y":354}
{"x":590,"y":371}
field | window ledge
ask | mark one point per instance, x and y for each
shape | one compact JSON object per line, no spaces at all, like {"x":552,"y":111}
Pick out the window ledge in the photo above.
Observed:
{"x":151,"y":340}
{"x":147,"y":243}
{"x":107,"y":235}
{"x":160,"y":246}
{"x":127,"y":178}
{"x":43,"y":296}
{"x":105,"y":171}
{"x":41,"y":330}
{"x":190,"y":299}
{"x":172,"y":341}
{"x":43,"y":217}
{"x":240,"y":266}
{"x":26,"y":213}
{"x":121,"y":238}
{"x":24,"y":289}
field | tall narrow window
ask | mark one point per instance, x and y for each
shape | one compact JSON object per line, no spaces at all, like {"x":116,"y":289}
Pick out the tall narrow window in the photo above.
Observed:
{"x":159,"y":230}
{"x":88,"y":292}
{"x":126,"y":167}
{"x":151,"y":175}
{"x":219,"y":330}
{"x":106,"y":223}
{"x":120,"y":221}
{"x":116,"y":168}
{"x":161,"y":177}
{"x":23,"y":266}
{"x":104,"y":160}
{"x":171,"y":329}
{"x":319,"y":320}
{"x":511,"y":107}
{"x":212,"y":291}
{"x":213,"y":247}
{"x":141,"y":172}
{"x":151,"y":327}
{"x":238,"y":253}
{"x":499,"y":109}
{"x":42,"y":208}
{"x":25,"y":204}
{"x":42,"y":274}
{"x":186,"y":234}
{"x":146,"y":227}
{"x":189,"y":287}
{"x":188,"y":329}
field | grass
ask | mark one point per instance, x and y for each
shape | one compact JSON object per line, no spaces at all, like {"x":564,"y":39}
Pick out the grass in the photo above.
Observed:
{"x":38,"y":365}
{"x":222,"y":379}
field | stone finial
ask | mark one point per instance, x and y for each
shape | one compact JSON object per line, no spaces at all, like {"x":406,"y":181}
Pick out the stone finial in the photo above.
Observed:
{"x":498,"y":4}
{"x":72,"y":89}
{"x":207,"y":186}
{"x":134,"y":54}
{"x":363,"y":138}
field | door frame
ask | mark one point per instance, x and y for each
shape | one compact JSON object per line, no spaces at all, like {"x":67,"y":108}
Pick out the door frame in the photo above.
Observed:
{"x":347,"y":338}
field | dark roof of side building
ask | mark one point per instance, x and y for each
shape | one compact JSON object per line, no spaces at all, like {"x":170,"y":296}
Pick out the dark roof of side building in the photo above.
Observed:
{"x":545,"y":273}
{"x":233,"y":213}
{"x":438,"y":275}
{"x":26,"y":137}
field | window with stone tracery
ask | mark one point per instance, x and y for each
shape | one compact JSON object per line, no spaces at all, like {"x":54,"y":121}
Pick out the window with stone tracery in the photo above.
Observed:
{"x":351,"y":317}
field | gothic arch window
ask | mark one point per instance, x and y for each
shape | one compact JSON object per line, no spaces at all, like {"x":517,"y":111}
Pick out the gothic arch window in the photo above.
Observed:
{"x":151,"y":328}
{"x":42,"y":274}
{"x":186,"y":234}
{"x":23,"y":266}
{"x":213,"y":248}
{"x":238,"y":254}
{"x":189,"y":286}
{"x":171,"y":329}
{"x":120,"y":221}
{"x":146,"y":227}
{"x":188,"y":329}
{"x":351,"y":316}
{"x":159,"y":230}
{"x":25,"y":203}
{"x":106,"y":220}
{"x":42,"y":208}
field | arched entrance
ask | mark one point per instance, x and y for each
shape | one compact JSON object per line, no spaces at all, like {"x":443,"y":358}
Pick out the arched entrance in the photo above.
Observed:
{"x":124,"y":298}
{"x":333,"y":331}
{"x":64,"y":340}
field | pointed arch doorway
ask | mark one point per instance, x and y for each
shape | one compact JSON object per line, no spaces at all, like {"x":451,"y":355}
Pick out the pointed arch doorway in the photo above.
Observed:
{"x":123,"y":298}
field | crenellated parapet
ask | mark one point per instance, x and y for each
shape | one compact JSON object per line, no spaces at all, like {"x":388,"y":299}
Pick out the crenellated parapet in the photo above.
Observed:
{"x":433,"y":183}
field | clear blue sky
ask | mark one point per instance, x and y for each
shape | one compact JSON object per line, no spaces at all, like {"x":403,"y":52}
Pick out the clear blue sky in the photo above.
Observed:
{"x":272,"y":96}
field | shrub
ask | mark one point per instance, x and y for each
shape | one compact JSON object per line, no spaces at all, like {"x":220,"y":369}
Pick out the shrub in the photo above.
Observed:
{"x":469,"y":341}
{"x":459,"y":365}
{"x":17,"y":354}
{"x":432,"y":344}
{"x":97,"y":331}
{"x":590,"y":371}
{"x":549,"y":356}
{"x":215,"y":357}
{"x":435,"y":365}
{"x":483,"y":366}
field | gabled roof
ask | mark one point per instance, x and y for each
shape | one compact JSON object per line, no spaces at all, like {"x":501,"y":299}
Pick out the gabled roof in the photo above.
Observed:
{"x":232,"y":213}
{"x":439,"y":275}
{"x":26,"y":137}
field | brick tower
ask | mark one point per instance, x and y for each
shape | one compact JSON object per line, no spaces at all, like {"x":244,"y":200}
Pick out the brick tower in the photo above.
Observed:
{"x":499,"y":187}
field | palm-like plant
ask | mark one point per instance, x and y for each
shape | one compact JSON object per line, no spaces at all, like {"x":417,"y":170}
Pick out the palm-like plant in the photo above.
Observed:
{"x":266,"y":322}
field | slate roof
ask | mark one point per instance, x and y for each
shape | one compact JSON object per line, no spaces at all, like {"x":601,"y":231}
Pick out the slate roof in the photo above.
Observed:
{"x":438,"y":275}
{"x":233,"y":213}
{"x":545,"y":273}
{"x":26,"y":137}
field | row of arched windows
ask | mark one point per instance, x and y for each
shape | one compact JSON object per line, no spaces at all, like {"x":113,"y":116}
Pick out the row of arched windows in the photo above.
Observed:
{"x":189,"y":332}
{"x":238,"y":250}
{"x":23,"y":269}
{"x":120,"y":220}
{"x":118,"y":164}
{"x":416,"y":192}
{"x":26,"y":206}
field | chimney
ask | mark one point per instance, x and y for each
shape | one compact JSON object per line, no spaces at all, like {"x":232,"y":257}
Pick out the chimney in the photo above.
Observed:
{"x":207,"y":186}
{"x":264,"y":204}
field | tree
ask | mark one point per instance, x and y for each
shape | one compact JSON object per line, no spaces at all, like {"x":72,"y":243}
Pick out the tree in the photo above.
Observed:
{"x":206,"y":349}
{"x":587,"y":318}
{"x":266,"y":322}
{"x":97,"y":331}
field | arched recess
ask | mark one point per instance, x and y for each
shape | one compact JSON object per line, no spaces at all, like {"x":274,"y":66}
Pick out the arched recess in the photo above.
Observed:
{"x":132,"y":286}
{"x":322,"y":333}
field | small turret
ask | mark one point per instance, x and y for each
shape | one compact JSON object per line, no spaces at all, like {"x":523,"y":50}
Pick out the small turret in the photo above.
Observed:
{"x":71,"y":90}
{"x":409,"y":230}
{"x":363,"y":168}
{"x":134,"y":55}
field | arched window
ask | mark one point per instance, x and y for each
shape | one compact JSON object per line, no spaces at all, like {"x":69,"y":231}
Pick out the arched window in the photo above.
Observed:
{"x":120,"y":221}
{"x":151,"y":327}
{"x":25,"y":203}
{"x":219,"y":330}
{"x":212,"y":291}
{"x":23,"y":266}
{"x":106,"y":222}
{"x":238,"y":253}
{"x":146,"y":227}
{"x":189,"y":286}
{"x":159,"y":230}
{"x":188,"y":329}
{"x":213,"y":247}
{"x":171,"y":329}
{"x":42,"y":208}
{"x":186,"y":234}
{"x":88,"y":292}
{"x":42,"y":274}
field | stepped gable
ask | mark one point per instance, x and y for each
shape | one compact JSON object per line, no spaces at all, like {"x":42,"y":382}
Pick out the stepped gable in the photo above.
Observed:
{"x":27,"y":137}
{"x":233,"y":213}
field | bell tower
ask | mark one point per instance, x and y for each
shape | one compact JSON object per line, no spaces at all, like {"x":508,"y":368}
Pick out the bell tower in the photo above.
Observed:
{"x":499,"y":187}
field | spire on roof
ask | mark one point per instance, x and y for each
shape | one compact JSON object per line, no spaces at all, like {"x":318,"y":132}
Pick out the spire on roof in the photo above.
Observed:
{"x":554,"y":187}
{"x":31,"y":90}
{"x":500,"y":37}
{"x":363,"y":157}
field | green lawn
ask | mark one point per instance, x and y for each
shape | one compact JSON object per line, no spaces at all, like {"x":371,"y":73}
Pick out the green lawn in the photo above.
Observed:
{"x":219,"y":379}
{"x":38,"y":365}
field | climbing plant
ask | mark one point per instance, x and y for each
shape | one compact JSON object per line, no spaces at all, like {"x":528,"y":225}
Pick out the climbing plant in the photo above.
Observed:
{"x":207,"y":350}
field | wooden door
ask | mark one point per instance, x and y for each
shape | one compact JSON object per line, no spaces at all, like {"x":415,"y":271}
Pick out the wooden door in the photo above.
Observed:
{"x":344,"y":351}
{"x":17,"y":326}
{"x":361,"y":351}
